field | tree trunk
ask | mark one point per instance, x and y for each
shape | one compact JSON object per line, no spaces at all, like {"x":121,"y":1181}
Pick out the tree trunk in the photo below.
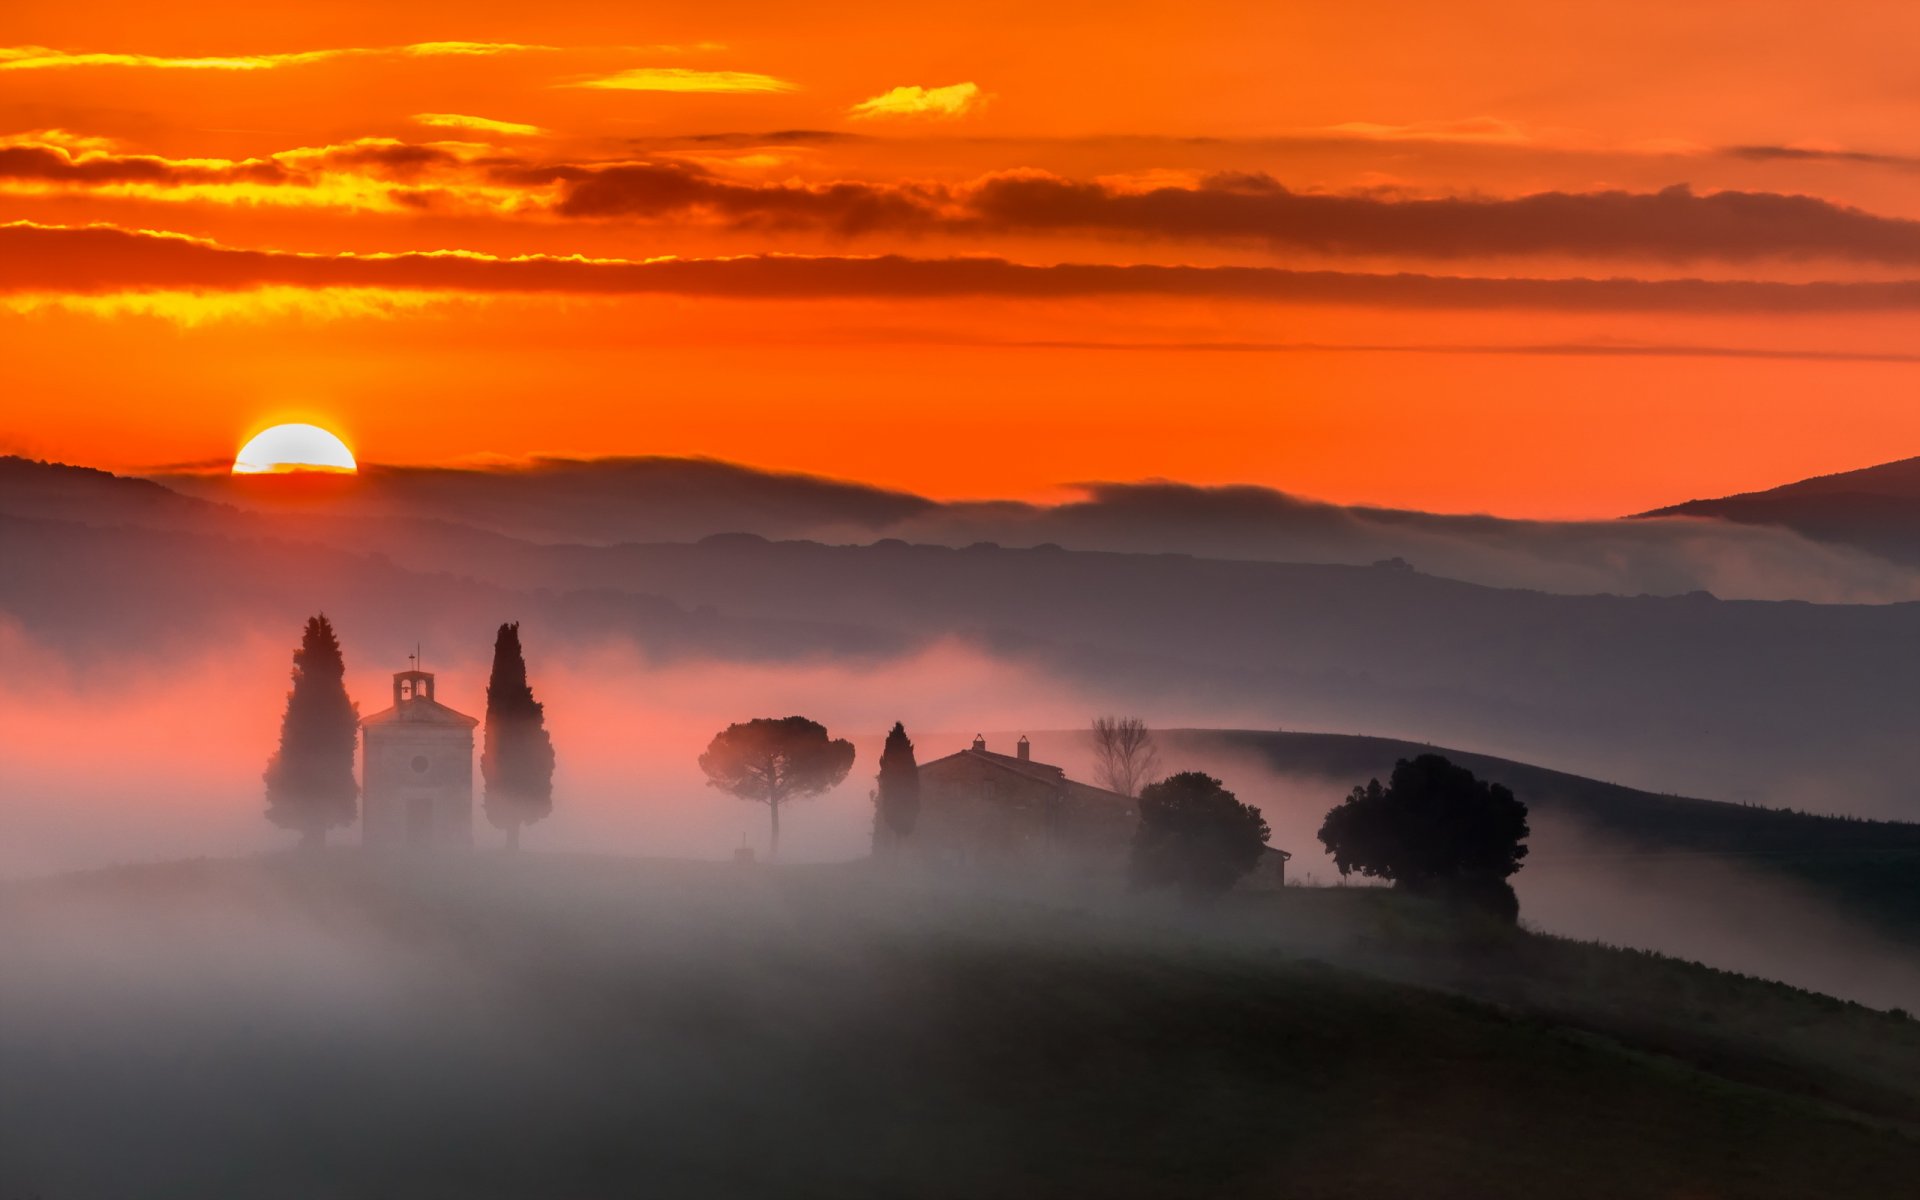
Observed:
{"x":513,"y":836}
{"x":314,"y":839}
{"x":773,"y":847}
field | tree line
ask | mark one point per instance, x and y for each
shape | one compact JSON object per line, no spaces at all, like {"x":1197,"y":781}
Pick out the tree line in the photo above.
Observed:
{"x":1433,"y":829}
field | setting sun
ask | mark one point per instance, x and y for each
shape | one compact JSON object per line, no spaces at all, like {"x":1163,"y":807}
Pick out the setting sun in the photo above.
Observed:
{"x":285,"y":449}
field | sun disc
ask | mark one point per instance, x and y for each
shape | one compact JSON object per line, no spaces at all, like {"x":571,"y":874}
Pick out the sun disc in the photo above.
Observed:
{"x":284,"y":449}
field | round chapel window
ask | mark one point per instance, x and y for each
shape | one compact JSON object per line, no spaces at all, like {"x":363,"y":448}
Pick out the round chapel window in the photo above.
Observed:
{"x":419,"y":764}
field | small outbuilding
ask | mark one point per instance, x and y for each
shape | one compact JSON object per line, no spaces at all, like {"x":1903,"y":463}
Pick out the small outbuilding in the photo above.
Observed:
{"x":1269,"y":874}
{"x":417,"y":770}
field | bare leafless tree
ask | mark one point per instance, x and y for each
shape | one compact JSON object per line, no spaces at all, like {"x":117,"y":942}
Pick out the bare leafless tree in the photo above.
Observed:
{"x":1125,"y":758}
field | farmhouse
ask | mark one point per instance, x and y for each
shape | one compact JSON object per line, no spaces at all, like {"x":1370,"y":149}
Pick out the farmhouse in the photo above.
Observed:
{"x":979,"y":808}
{"x":417,"y":770}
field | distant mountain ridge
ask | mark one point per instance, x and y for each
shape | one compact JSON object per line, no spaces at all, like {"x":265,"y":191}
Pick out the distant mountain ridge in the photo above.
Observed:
{"x":1876,"y":509}
{"x":661,"y":499}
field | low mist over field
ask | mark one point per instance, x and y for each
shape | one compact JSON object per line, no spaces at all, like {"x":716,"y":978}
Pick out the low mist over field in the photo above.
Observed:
{"x":191,"y":740}
{"x":566,"y":1026}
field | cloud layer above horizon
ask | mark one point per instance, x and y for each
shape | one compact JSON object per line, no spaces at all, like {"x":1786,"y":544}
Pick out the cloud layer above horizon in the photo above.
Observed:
{"x":957,"y":210}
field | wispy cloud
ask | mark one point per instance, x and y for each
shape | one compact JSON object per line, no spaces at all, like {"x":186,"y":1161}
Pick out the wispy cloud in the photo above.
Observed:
{"x":684,"y":79}
{"x":1674,"y":226}
{"x":38,"y":260}
{"x":477,"y":124}
{"x":1832,"y":154}
{"x":372,"y":175}
{"x":955,"y":100}
{"x":41,"y":58}
{"x":1472,"y":130}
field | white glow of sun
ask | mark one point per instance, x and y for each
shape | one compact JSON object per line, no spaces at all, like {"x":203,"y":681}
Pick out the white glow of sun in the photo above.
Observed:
{"x":287,"y":448}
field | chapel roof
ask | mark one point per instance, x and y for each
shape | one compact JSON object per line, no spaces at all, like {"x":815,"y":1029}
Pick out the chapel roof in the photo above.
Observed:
{"x":420,"y":711}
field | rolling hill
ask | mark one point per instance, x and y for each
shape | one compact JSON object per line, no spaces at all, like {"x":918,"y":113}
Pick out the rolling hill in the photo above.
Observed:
{"x":575,"y":1027}
{"x":1782,"y":839}
{"x":1767,"y":889}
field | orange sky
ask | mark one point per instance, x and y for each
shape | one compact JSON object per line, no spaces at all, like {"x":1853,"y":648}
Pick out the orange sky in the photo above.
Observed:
{"x":981,"y":251}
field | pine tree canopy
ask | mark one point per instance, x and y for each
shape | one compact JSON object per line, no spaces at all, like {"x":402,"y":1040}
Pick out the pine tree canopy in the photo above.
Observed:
{"x":774,"y":759}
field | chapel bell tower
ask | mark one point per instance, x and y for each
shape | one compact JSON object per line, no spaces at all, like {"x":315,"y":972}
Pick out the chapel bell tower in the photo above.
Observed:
{"x":417,"y":769}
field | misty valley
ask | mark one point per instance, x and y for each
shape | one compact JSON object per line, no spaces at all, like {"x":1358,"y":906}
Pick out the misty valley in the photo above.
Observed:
{"x":1098,"y":600}
{"x":751,"y":846}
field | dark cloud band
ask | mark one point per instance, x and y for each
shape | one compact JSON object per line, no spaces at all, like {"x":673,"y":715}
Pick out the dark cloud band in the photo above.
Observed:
{"x":96,"y":260}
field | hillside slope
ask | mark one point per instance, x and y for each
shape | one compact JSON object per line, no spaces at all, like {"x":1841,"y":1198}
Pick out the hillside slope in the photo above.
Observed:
{"x":1875,"y":508}
{"x":1869,"y":869}
{"x":574,"y":1028}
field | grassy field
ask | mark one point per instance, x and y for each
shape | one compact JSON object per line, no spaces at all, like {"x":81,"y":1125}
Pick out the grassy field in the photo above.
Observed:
{"x":559,"y":1027}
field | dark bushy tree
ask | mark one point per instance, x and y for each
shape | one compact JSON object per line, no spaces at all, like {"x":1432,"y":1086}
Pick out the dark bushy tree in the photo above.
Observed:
{"x":517,"y":761}
{"x":310,"y":779}
{"x":1434,"y":830}
{"x":897,"y":797}
{"x":1194,"y":835}
{"x":775,"y":760}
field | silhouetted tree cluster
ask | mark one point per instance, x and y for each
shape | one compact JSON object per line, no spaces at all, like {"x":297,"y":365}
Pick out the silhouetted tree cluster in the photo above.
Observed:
{"x":310,"y":778}
{"x":775,"y":760}
{"x":896,"y":797}
{"x":311,"y":783}
{"x":1124,"y":756}
{"x":1194,"y":835}
{"x":1434,"y":830}
{"x":517,"y":760}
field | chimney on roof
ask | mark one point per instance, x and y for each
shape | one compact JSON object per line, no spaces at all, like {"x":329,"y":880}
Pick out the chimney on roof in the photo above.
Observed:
{"x":1024,"y":751}
{"x":979,"y":741}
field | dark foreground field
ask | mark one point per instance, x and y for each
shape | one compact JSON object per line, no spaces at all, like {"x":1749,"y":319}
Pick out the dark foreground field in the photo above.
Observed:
{"x":556,"y":1028}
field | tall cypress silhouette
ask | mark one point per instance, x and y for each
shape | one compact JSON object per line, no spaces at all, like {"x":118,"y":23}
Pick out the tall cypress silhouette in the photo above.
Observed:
{"x":517,"y":761}
{"x":897,"y":799}
{"x":310,"y":782}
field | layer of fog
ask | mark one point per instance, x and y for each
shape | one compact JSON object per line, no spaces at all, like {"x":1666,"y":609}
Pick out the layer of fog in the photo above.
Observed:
{"x":162,"y":759}
{"x":164,"y":763}
{"x":479,"y":1026}
{"x":1777,"y":703}
{"x":1662,"y":557}
{"x":677,"y":500}
{"x":475,"y":1027}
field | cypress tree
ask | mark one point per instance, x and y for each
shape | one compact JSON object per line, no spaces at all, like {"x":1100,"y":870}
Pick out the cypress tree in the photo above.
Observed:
{"x":310,"y":781}
{"x":517,"y":761}
{"x":897,"y":799}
